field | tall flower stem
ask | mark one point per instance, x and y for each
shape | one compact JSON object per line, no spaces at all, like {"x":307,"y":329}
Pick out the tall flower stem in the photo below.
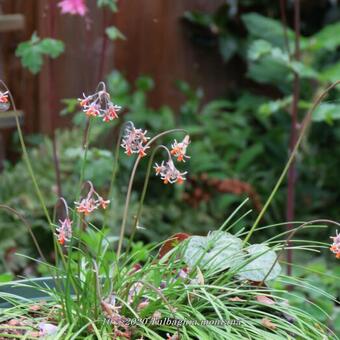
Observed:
{"x":114,"y":168}
{"x":290,"y":203}
{"x":304,"y":126}
{"x":145,"y":187}
{"x":128,"y":195}
{"x":26,"y":158}
{"x":51,"y":101}
{"x":57,"y":248}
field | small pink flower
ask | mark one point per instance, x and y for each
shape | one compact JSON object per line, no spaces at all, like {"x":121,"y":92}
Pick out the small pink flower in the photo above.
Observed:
{"x":73,"y":7}
{"x":103,"y":203}
{"x":92,"y":110}
{"x":111,"y":113}
{"x":179,"y":149}
{"x":134,"y":141}
{"x":91,"y":202}
{"x":4,"y":97}
{"x":335,"y":247}
{"x":86,"y":205}
{"x":64,"y":231}
{"x":169,"y":173}
{"x":99,"y":105}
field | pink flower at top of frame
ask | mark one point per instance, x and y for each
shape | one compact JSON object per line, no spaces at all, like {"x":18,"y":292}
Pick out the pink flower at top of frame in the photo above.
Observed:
{"x":74,"y":7}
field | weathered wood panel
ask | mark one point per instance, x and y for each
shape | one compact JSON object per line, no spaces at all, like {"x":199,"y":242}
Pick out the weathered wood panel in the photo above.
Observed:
{"x":156,"y":45}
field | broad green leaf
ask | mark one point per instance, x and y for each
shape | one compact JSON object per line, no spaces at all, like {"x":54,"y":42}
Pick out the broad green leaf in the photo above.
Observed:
{"x":218,"y":250}
{"x":261,"y":259}
{"x":228,"y":46}
{"x":326,"y":39}
{"x":274,"y":106}
{"x":114,"y":33}
{"x":304,"y":71}
{"x":31,"y":52}
{"x":268,"y":70}
{"x":259,"y":48}
{"x":266,"y":28}
{"x":327,"y":112}
{"x":52,"y":47}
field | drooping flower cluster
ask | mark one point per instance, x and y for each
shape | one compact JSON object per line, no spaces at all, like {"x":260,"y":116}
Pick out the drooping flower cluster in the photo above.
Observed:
{"x":73,"y":7}
{"x":64,"y":231}
{"x":86,"y":205}
{"x":335,"y":247}
{"x":4,"y":97}
{"x":91,"y":202}
{"x":169,"y":173}
{"x":100,"y":105}
{"x":179,"y":149}
{"x":167,"y":169}
{"x":134,"y":141}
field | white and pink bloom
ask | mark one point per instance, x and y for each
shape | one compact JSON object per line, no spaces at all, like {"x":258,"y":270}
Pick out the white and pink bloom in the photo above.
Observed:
{"x":64,"y":231}
{"x":4,"y":101}
{"x":335,"y":247}
{"x":99,"y":105}
{"x":168,"y":172}
{"x":73,"y":7}
{"x":179,"y":149}
{"x":4,"y":97}
{"x":91,"y":202}
{"x":134,"y":141}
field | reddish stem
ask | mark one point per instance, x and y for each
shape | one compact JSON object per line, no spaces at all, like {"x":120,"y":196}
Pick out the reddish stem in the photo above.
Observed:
{"x":51,"y":99}
{"x":290,"y":208}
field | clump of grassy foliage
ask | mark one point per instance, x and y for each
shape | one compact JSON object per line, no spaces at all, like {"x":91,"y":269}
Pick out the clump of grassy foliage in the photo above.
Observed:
{"x":217,"y":286}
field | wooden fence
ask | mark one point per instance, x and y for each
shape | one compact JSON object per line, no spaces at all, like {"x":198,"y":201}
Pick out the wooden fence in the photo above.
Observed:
{"x":156,"y":45}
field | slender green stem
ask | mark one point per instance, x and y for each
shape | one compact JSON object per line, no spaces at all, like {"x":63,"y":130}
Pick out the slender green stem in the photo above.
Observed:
{"x":291,"y":158}
{"x":128,"y":195}
{"x":145,"y":187}
{"x":289,"y":238}
{"x":57,"y":247}
{"x":115,"y":167}
{"x":29,"y":229}
{"x":26,"y":158}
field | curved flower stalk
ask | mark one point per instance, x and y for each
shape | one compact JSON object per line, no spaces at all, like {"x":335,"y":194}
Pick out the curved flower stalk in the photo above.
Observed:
{"x":73,"y":7}
{"x":99,"y":105}
{"x":64,"y":230}
{"x":291,"y":158}
{"x":132,"y":176}
{"x":158,"y":168}
{"x":335,"y":247}
{"x":134,"y":141}
{"x":91,"y":202}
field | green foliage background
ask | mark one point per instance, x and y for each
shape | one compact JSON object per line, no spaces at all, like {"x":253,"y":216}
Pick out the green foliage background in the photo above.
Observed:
{"x":243,"y":136}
